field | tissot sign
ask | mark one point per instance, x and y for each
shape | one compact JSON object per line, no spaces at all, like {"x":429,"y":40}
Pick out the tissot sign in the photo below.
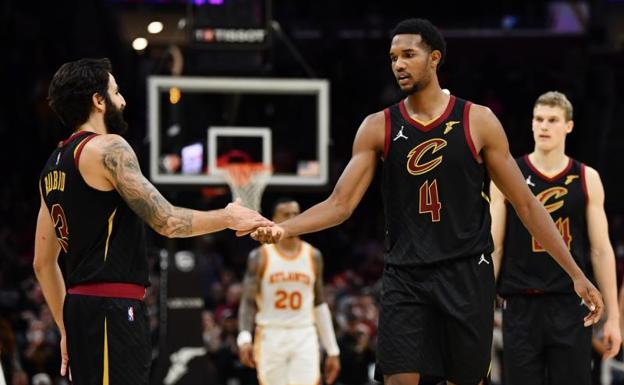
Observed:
{"x":231,"y":24}
{"x":230,"y":35}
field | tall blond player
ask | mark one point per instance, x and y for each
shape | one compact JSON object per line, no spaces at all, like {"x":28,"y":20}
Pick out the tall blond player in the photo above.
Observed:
{"x":544,"y":340}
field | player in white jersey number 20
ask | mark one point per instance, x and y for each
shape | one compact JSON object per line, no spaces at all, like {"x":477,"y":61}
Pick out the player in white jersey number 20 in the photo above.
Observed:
{"x":283,"y":292}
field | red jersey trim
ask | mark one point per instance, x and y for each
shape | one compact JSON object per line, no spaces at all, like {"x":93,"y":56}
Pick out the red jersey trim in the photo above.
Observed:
{"x":584,"y":184}
{"x":73,"y":136}
{"x":432,"y":125}
{"x":79,"y":149}
{"x":544,"y":177}
{"x":388,"y":129}
{"x":471,"y":145}
{"x":110,"y":289}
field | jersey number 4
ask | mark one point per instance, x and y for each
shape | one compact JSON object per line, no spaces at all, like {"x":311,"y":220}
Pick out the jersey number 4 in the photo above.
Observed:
{"x":60,"y":224}
{"x":429,"y":201}
{"x":564,"y":228}
{"x":285,"y":300}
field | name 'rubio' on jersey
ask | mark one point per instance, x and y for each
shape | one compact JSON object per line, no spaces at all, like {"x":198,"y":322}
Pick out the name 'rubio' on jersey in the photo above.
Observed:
{"x":434,"y":188}
{"x":527,"y":268}
{"x":101,"y":238}
{"x":286,"y":297}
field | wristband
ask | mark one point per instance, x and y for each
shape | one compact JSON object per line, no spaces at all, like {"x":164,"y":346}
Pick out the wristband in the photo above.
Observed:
{"x":326,"y":329}
{"x":244,"y":337}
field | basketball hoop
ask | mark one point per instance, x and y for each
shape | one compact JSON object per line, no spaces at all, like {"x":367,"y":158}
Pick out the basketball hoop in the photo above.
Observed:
{"x":247,"y":181}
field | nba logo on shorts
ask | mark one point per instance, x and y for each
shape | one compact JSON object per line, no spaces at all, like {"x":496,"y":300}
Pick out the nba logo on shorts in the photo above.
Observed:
{"x":130,"y":313}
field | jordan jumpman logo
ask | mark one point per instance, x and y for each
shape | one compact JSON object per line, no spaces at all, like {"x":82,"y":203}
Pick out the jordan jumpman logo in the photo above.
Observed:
{"x":399,"y":135}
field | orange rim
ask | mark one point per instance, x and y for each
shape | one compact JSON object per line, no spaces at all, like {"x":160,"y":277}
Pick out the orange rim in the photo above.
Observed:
{"x":240,"y":174}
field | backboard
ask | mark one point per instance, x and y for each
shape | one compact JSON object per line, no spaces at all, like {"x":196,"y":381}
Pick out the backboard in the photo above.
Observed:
{"x":196,"y":125}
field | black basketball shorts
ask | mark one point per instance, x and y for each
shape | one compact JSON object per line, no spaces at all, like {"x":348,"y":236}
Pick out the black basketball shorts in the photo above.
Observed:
{"x":545,"y":340}
{"x":437,"y":320}
{"x":108,"y":340}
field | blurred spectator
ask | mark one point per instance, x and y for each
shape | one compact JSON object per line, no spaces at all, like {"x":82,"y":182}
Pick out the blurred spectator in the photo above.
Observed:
{"x":9,"y":356}
{"x":209,"y":264}
{"x":9,"y":294}
{"x":232,"y":299}
{"x":226,"y":357}
{"x":42,"y":350}
{"x":356,"y":353}
{"x":211,"y":332}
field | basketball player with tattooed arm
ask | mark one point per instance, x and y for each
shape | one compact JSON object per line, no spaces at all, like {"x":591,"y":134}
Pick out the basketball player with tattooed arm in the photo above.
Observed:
{"x":284,"y":293}
{"x":544,"y":340}
{"x":437,"y":299}
{"x":94,"y":200}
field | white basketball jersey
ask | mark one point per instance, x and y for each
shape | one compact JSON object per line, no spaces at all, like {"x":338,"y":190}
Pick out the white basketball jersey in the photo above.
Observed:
{"x":286,"y":297}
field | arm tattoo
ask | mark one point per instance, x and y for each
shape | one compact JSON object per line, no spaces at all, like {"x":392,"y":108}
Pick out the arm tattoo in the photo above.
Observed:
{"x":140,"y":195}
{"x":319,"y":294}
{"x":251,"y":285}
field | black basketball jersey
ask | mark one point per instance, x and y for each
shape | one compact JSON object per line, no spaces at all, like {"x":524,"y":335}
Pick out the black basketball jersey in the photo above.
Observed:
{"x":101,"y":238}
{"x":527,"y":268}
{"x":433,"y":188}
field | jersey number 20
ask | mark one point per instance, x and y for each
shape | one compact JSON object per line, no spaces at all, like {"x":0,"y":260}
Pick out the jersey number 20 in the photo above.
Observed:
{"x":285,"y":300}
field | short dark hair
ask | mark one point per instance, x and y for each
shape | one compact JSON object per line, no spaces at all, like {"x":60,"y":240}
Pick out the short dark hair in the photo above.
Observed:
{"x":72,"y":87}
{"x":280,"y":201}
{"x":428,"y":32}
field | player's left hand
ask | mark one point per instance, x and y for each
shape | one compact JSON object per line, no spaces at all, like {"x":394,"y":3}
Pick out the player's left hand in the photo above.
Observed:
{"x":246,"y":356}
{"x":612,"y":338}
{"x":331,"y":369}
{"x":591,"y":298}
{"x":65,"y":370}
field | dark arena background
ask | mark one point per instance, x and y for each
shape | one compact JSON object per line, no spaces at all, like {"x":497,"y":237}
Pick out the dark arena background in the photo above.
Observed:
{"x":501,"y":54}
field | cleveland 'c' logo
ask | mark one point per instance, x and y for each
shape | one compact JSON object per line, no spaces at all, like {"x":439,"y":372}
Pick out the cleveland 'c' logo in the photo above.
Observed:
{"x":414,"y":166}
{"x":552,"y":193}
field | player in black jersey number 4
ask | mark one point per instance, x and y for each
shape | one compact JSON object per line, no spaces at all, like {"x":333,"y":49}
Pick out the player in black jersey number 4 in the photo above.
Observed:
{"x":94,"y":200}
{"x":544,"y":340}
{"x":438,"y":284}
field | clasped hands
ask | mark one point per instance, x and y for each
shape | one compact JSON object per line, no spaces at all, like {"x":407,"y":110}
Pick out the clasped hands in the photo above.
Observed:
{"x":246,"y":221}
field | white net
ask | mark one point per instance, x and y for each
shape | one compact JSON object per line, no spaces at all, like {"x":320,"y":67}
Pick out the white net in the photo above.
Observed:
{"x":247,"y":181}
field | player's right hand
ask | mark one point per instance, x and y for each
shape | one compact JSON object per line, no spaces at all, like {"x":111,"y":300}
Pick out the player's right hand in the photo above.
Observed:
{"x":241,"y":218}
{"x":591,"y":298}
{"x":272,"y":234}
{"x":245,"y":354}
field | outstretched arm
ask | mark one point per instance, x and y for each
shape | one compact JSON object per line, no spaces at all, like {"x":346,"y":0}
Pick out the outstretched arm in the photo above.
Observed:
{"x":324,"y":324}
{"x":247,"y":309}
{"x":119,"y":165}
{"x":603,"y":260}
{"x":506,"y":175}
{"x":349,"y":189}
